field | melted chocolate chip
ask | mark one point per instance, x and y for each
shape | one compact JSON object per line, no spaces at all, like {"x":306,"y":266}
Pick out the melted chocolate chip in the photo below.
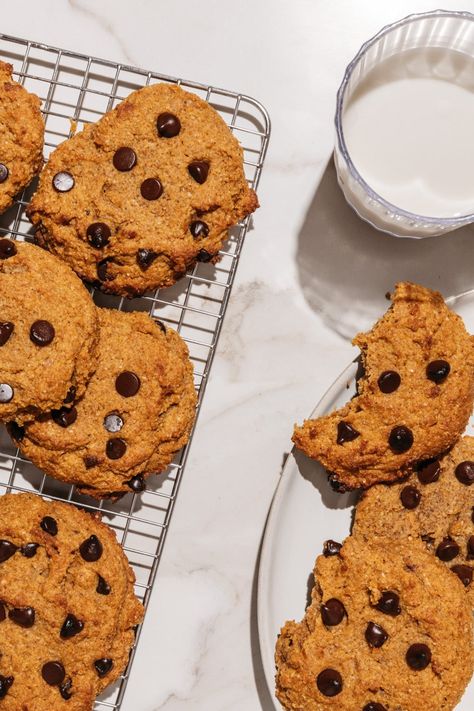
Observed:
{"x":428,"y":472}
{"x":6,"y":330}
{"x":90,"y":461}
{"x":127,"y":383}
{"x":465,"y":473}
{"x":374,"y":706}
{"x":103,"y":666}
{"x":418,"y":656}
{"x":470,"y":548}
{"x":168,"y":125}
{"x":332,"y":612}
{"x":389,"y":381}
{"x":198,"y":170}
{"x":437,"y":371}
{"x":161,"y":325}
{"x":3,"y":613}
{"x":49,"y":525}
{"x":53,"y":673}
{"x":71,"y":627}
{"x":6,"y":392}
{"x":137,"y":483}
{"x":103,"y":588}
{"x":7,"y":248}
{"x":410,"y":497}
{"x":42,"y":333}
{"x":329,"y":682}
{"x":29,"y":550}
{"x":7,"y":550}
{"x":98,"y":234}
{"x":63,"y":182}
{"x":91,"y":549}
{"x":71,"y":394}
{"x":400,"y":439}
{"x":124,"y":159}
{"x":151,"y":189}
{"x":338,"y":486}
{"x":447,"y":550}
{"x":113,"y":422}
{"x":65,"y":689}
{"x":65,"y":416}
{"x":389,"y":603}
{"x":346,"y":433}
{"x":102,"y":270}
{"x":199,"y":229}
{"x":115,"y":448}
{"x":5,"y":683}
{"x":16,"y":431}
{"x":4,"y":172}
{"x":375,"y":635}
{"x":331,"y":548}
{"x":22,"y":616}
{"x":145,"y":257}
{"x":203,"y":256}
{"x":464,"y":573}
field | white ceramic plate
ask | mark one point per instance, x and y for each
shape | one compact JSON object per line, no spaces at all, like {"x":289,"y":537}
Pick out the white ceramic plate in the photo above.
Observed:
{"x":305,"y":512}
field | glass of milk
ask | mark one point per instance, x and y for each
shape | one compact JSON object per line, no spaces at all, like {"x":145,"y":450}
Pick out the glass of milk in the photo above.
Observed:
{"x":405,"y":126}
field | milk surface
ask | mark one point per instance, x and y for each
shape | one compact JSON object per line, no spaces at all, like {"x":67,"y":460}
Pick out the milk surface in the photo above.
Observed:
{"x":409,"y":130}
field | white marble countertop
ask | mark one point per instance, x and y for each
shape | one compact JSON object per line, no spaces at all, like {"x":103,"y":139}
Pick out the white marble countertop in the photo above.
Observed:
{"x":311,"y":274}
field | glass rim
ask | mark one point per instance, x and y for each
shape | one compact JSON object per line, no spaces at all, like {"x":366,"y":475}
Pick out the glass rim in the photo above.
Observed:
{"x":412,"y":216}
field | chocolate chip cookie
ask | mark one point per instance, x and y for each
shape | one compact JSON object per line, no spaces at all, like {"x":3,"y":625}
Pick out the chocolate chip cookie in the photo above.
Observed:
{"x":67,"y":610}
{"x":21,"y":137}
{"x":414,"y":399}
{"x":48,"y":332}
{"x":135,"y":200}
{"x":389,"y":628}
{"x":137,"y":411}
{"x":435,"y":504}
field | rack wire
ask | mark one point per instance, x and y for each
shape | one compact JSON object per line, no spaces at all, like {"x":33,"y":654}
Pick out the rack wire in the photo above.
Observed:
{"x":77,"y":89}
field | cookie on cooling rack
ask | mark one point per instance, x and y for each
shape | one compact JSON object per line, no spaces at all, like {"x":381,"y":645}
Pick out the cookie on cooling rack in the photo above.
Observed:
{"x":67,"y":610}
{"x":389,"y":627}
{"x":133,"y":201}
{"x":21,"y":137}
{"x":137,"y":411}
{"x":414,"y":398}
{"x":48,"y":332}
{"x":434,"y":505}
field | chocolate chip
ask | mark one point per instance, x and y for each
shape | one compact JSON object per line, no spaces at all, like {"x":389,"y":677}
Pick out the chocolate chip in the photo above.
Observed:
{"x":346,"y":433}
{"x":115,"y":448}
{"x":338,"y":486}
{"x":53,"y":673}
{"x":7,"y":549}
{"x":447,"y":550}
{"x":90,"y":461}
{"x":145,"y":257}
{"x":204,"y":256}
{"x":16,"y":431}
{"x":161,"y":325}
{"x":5,"y":683}
{"x":102,"y":270}
{"x":470,"y":548}
{"x":375,"y":635}
{"x":389,"y":603}
{"x":127,"y":383}
{"x":71,"y":394}
{"x":437,"y":371}
{"x":71,"y":627}
{"x":124,"y":159}
{"x":6,"y":392}
{"x":137,"y":483}
{"x":410,"y":497}
{"x":98,"y":234}
{"x":3,"y":614}
{"x":374,"y":706}
{"x":49,"y":525}
{"x":389,"y":381}
{"x":331,"y":548}
{"x":7,"y":248}
{"x":418,"y":656}
{"x":400,"y":439}
{"x":6,"y":330}
{"x":168,"y":125}
{"x":465,"y":473}
{"x":103,"y":666}
{"x":151,"y":189}
{"x":42,"y":333}
{"x":429,"y":471}
{"x":332,"y":612}
{"x":464,"y":573}
{"x":113,"y":422}
{"x":91,"y":549}
{"x":329,"y":682}
{"x":4,"y":172}
{"x":65,"y":689}
{"x":65,"y":416}
{"x":23,"y":616}
{"x":103,"y":588}
{"x":199,"y":229}
{"x":63,"y":182}
{"x":199,"y":170}
{"x":29,"y":550}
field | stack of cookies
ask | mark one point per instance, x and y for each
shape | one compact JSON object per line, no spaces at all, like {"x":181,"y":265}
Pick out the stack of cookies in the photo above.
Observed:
{"x":389,"y":627}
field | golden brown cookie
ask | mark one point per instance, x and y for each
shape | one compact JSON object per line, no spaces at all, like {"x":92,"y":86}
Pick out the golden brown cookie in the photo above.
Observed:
{"x":435,"y":504}
{"x":137,"y":411}
{"x":414,"y":398}
{"x":133,"y":201}
{"x":21,"y":137}
{"x":48,"y":332}
{"x":389,"y":628}
{"x":67,"y":610}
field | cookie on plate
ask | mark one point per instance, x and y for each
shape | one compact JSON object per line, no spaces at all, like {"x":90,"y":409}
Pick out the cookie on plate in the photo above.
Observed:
{"x":137,"y":411}
{"x":67,"y":610}
{"x":48,"y":332}
{"x":389,"y":627}
{"x":435,"y":504}
{"x":21,"y":137}
{"x":133,"y":201}
{"x":414,"y":397}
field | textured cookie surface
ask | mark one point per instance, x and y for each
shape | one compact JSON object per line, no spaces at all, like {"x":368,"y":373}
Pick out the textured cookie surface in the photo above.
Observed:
{"x":134,"y":200}
{"x":388,"y":629}
{"x":137,"y":411}
{"x":414,"y":399}
{"x":48,"y":331}
{"x":67,"y":608}
{"x":434,"y":505}
{"x":21,"y":137}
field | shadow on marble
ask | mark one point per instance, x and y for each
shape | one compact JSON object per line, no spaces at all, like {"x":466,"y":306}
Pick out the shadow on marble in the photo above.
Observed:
{"x":345,"y":266}
{"x":313,"y":472}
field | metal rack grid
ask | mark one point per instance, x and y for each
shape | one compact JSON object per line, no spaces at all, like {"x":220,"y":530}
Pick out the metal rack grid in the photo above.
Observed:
{"x":76,"y":89}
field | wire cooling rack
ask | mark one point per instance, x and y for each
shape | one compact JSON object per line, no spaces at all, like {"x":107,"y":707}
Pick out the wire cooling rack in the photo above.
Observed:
{"x":76,"y":89}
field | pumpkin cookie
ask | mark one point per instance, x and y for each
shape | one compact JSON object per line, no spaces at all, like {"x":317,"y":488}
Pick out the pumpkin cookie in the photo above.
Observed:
{"x":414,"y":397}
{"x":130,"y":203}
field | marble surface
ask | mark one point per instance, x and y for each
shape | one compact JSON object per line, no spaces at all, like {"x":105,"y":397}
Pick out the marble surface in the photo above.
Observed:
{"x":311,"y":275}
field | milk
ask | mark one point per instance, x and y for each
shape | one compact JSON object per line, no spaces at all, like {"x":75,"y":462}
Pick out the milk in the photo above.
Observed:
{"x":409,"y":131}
